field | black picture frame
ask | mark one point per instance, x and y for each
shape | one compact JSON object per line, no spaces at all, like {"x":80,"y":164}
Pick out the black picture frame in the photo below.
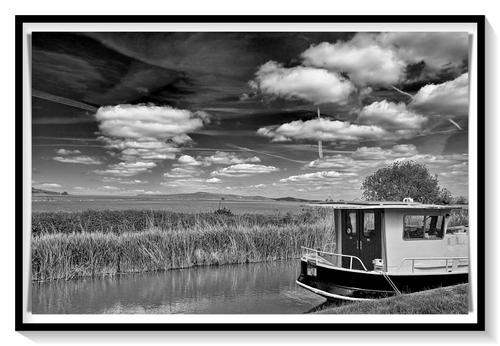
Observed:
{"x":20,"y":325}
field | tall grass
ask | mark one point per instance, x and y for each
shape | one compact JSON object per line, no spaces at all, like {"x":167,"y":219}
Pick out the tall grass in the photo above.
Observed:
{"x":68,"y":245}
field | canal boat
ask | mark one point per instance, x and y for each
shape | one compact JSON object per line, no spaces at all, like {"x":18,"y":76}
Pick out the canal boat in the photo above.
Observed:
{"x":383,"y":249}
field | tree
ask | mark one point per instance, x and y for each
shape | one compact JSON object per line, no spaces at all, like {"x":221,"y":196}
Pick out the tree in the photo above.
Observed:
{"x":404,"y":179}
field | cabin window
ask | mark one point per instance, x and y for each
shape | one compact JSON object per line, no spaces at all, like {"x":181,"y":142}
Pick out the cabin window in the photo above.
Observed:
{"x":368,"y":223}
{"x":423,"y":227}
{"x":350,"y":225}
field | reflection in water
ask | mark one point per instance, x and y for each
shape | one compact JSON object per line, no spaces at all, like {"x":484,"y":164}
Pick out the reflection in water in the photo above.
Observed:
{"x":257,"y":288}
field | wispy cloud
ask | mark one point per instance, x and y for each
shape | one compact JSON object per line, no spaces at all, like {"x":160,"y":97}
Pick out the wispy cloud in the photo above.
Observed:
{"x":80,"y":159}
{"x":244,"y":170}
{"x":322,"y":176}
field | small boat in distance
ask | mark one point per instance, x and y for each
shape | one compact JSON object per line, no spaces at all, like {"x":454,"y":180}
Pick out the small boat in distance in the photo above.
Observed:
{"x":383,"y":249}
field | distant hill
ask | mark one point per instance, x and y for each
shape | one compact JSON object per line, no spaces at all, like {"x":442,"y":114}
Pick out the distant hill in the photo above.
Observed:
{"x":207,"y":196}
{"x":35,"y":191}
{"x":227,"y":197}
{"x":293,"y":199}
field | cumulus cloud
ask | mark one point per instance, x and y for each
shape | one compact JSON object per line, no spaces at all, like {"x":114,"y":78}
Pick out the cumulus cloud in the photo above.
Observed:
{"x":213,"y":180}
{"x":363,"y":158}
{"x":145,"y":149}
{"x":80,"y":159}
{"x":65,"y":152}
{"x":302,"y":82}
{"x":323,"y":129}
{"x":188,"y":160}
{"x":146,"y":133}
{"x":439,"y":50}
{"x":364,"y":60}
{"x":228,"y":158}
{"x":322,"y":176}
{"x":147,"y":121}
{"x":244,"y":170}
{"x":447,"y":99}
{"x":75,"y":156}
{"x":391,"y":116}
{"x":379,"y":120}
{"x":377,"y":153}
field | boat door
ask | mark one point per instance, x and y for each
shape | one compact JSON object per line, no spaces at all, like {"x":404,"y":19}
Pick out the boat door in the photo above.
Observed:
{"x":361,"y":237}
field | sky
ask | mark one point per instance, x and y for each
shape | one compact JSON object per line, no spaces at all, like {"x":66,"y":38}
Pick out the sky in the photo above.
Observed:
{"x":127,"y":113}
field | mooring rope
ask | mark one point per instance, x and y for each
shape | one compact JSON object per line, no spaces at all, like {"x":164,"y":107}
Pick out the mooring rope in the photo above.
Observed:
{"x":393,"y":285}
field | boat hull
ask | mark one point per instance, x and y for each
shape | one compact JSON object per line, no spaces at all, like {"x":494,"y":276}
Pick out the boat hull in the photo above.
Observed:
{"x":339,"y":283}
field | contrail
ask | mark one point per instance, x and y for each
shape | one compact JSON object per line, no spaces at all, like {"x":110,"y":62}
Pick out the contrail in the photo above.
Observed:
{"x":63,"y":100}
{"x":265,"y":153}
{"x":402,"y":92}
{"x":411,"y":96}
{"x":455,"y":123}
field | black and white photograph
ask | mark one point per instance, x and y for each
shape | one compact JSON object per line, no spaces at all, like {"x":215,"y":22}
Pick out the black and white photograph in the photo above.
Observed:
{"x":198,"y":175}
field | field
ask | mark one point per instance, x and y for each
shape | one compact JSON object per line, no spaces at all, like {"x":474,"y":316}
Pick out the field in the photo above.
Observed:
{"x":91,"y":243}
{"x":446,"y":300}
{"x":184,"y":205}
{"x":98,"y":241}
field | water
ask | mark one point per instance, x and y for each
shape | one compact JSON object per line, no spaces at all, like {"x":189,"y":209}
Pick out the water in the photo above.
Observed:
{"x":260,"y":288}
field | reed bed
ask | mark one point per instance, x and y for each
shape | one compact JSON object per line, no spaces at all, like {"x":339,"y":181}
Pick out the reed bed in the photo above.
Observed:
{"x":92,"y":243}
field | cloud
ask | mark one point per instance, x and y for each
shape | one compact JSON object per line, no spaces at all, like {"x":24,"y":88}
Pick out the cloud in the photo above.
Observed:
{"x":124,"y":181}
{"x":109,"y":188}
{"x":362,"y":59}
{"x":447,"y":99}
{"x":323,"y":176}
{"x":439,"y":50}
{"x":301,"y":82}
{"x":146,"y":133}
{"x":377,"y":153}
{"x":323,"y":129}
{"x":64,"y":152}
{"x":363,"y":158}
{"x":182,"y":172}
{"x":141,"y":149}
{"x":147,"y":121}
{"x":244,"y":170}
{"x":228,"y":158}
{"x":127,"y":169}
{"x":213,"y":180}
{"x":81,"y":159}
{"x":188,"y":161}
{"x":379,"y":120}
{"x":391,"y":116}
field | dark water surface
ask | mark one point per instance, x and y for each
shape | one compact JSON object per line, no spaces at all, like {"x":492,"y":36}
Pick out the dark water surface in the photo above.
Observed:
{"x":258,"y":288}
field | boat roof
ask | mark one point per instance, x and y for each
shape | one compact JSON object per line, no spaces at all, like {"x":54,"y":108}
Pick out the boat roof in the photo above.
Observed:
{"x":383,"y":205}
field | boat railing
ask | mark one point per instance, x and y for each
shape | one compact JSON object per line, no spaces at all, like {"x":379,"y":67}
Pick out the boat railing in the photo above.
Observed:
{"x":450,"y":263}
{"x":319,"y":257}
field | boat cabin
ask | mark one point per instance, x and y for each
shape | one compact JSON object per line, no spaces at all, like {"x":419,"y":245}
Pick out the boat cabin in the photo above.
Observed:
{"x":395,"y":239}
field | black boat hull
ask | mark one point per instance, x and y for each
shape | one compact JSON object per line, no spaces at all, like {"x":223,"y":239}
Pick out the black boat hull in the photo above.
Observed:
{"x":339,"y":283}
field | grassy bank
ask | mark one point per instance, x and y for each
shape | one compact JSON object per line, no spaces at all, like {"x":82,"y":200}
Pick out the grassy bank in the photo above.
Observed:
{"x":68,"y":245}
{"x":446,"y":300}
